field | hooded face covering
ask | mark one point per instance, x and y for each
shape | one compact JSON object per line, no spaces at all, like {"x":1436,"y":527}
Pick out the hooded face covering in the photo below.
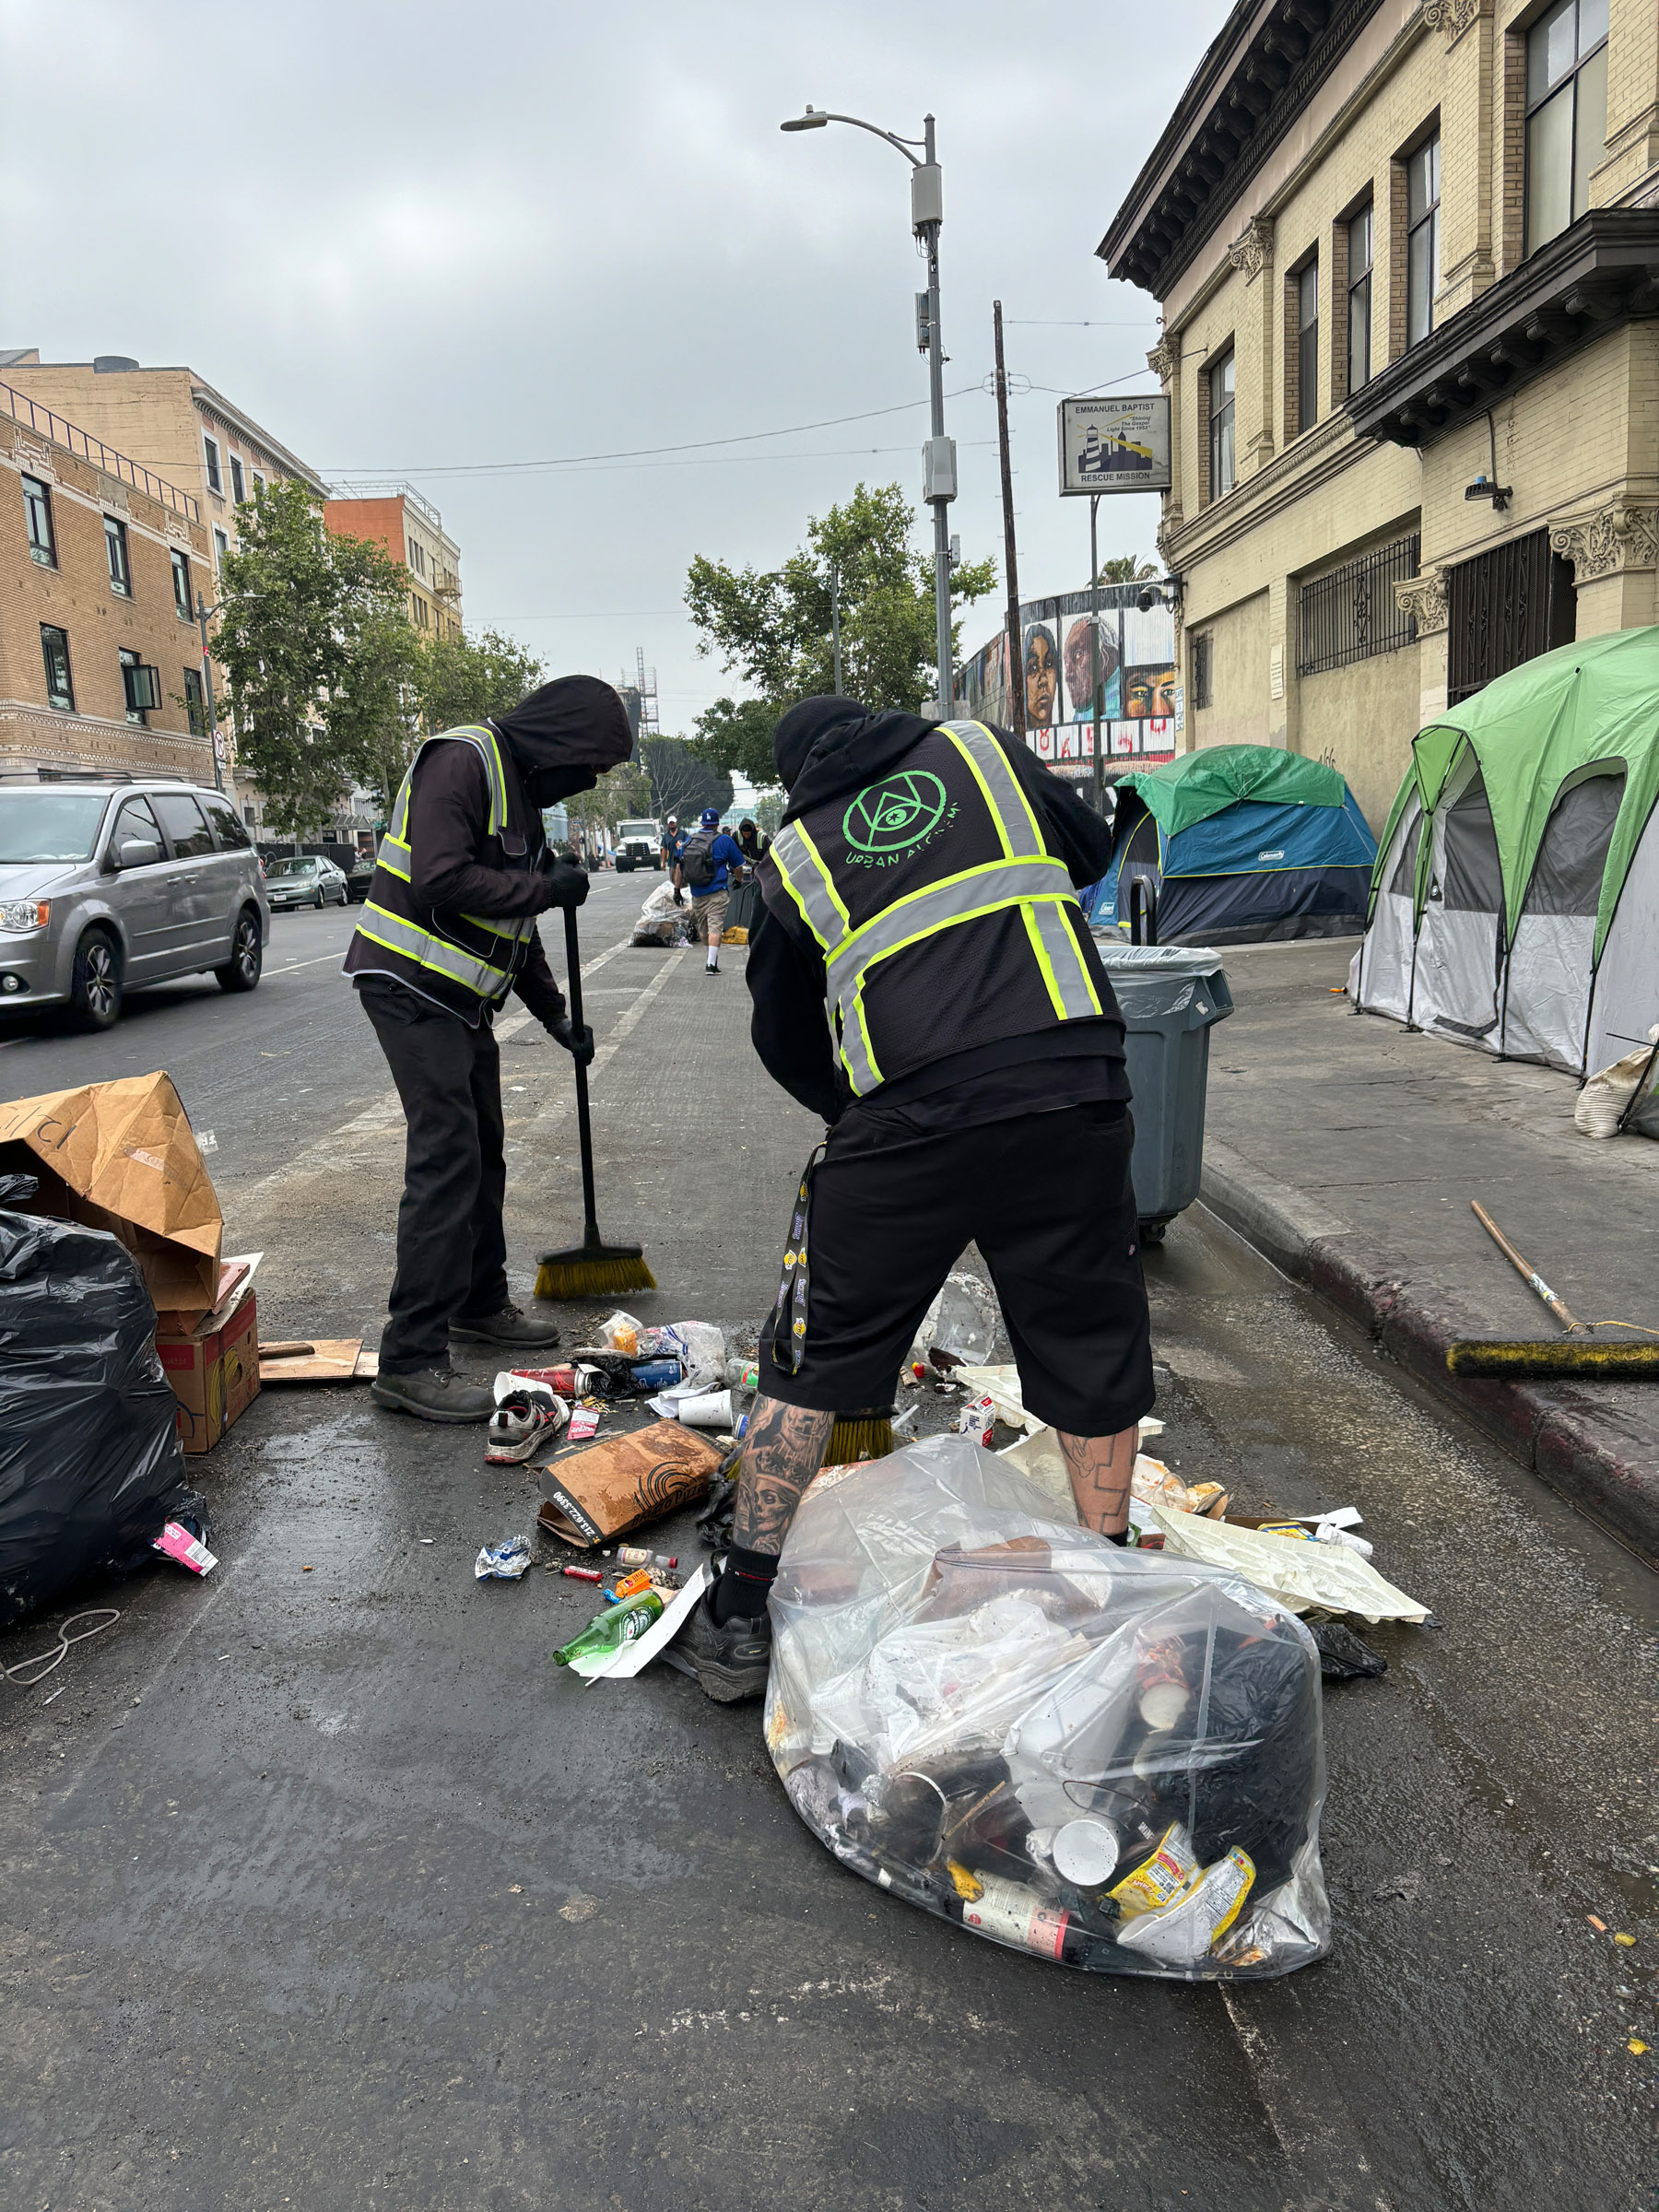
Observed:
{"x":564,"y":735}
{"x":807,"y":723}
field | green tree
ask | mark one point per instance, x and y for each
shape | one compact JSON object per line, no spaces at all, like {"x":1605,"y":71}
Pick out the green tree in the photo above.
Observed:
{"x":737,"y":736}
{"x":463,"y":679}
{"x":1126,"y":567}
{"x":376,"y":722}
{"x":622,"y":792}
{"x":773,"y":627}
{"x":311,"y":664}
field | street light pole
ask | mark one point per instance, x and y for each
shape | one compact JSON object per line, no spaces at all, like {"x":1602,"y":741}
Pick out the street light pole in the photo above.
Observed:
{"x":202,"y":612}
{"x":939,"y":460}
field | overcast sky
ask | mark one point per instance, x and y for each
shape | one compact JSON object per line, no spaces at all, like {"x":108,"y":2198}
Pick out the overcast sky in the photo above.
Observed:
{"x":411,"y":238}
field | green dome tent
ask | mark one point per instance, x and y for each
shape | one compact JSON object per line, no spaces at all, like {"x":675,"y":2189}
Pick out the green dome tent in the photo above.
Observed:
{"x":1515,"y":901}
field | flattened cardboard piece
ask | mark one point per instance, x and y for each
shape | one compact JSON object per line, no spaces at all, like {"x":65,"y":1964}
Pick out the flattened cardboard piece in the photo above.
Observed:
{"x":318,"y":1360}
{"x":593,"y":1495}
{"x":121,"y":1157}
{"x":214,"y":1370}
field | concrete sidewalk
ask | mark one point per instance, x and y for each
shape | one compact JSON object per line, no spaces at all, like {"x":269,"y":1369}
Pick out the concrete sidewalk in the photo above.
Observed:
{"x":1348,"y":1149}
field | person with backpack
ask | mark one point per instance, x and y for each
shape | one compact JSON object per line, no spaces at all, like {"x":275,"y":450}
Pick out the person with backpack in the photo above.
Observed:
{"x":706,"y":861}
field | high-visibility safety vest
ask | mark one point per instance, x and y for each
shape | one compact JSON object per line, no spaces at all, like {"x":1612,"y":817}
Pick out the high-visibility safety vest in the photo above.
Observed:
{"x":944,"y":920}
{"x":456,"y":958}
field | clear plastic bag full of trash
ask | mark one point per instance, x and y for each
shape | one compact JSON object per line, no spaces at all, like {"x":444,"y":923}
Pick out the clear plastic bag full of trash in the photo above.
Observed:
{"x":1110,"y":1758}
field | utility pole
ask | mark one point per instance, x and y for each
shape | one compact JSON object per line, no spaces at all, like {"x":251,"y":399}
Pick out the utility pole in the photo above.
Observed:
{"x":1016,"y":654}
{"x":835,"y":625}
{"x":1094,"y":647}
{"x":202,"y":612}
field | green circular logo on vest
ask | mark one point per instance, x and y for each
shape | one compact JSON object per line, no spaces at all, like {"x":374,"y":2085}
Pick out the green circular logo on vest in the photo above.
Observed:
{"x":892,"y":816}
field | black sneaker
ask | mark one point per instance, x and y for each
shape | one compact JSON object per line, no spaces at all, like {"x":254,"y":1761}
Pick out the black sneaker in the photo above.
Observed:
{"x":731,"y":1663}
{"x":433,"y":1395}
{"x":520,"y":1332}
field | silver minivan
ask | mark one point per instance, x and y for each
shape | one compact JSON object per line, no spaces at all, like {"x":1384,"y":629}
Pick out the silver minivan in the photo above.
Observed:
{"x":105,"y":887}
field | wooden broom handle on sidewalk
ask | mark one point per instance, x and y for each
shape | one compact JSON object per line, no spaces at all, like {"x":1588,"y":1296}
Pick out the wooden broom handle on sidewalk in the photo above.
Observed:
{"x":1534,"y":1280}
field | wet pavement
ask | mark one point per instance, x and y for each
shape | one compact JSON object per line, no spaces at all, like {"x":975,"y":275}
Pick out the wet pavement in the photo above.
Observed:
{"x":322,"y":1887}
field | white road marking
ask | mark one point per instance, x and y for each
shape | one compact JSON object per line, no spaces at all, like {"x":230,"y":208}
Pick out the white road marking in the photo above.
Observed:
{"x":289,"y":967}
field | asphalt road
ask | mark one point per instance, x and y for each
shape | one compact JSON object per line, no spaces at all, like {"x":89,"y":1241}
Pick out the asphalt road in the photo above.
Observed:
{"x":322,"y":1888}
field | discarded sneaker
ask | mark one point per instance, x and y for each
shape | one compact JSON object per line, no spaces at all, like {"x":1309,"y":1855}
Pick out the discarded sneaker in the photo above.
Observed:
{"x":729,"y":1662}
{"x":527,"y":1415}
{"x":523,"y":1332}
{"x":433,"y":1394}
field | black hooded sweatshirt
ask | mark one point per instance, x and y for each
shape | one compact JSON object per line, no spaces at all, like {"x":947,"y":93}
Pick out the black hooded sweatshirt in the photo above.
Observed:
{"x":829,"y":746}
{"x":554,"y":743}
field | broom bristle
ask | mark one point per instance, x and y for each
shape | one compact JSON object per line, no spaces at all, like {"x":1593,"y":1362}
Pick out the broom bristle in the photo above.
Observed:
{"x":859,"y":1436}
{"x":581,"y":1275}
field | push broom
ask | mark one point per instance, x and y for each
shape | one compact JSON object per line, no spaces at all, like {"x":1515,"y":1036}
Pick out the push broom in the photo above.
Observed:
{"x":593,"y":1269}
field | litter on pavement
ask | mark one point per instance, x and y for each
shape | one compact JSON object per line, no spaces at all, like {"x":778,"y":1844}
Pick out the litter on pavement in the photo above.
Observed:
{"x":503,"y":1563}
{"x":613,"y":1486}
{"x":1096,"y":1755}
{"x":528,"y":1415}
{"x":1298,"y":1573}
{"x":317,"y":1359}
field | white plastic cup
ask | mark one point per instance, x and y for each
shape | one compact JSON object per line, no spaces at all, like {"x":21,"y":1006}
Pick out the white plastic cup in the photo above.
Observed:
{"x":712,"y":1410}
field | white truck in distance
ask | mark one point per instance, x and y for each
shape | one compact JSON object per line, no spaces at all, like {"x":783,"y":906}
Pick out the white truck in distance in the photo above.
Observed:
{"x":639,"y":845}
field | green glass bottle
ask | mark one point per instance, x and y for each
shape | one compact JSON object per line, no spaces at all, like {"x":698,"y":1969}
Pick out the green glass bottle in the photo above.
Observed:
{"x":610,"y":1630}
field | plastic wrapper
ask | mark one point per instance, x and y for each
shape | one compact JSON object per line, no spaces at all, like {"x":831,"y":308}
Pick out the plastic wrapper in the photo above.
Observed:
{"x":1108,"y":1757}
{"x":962,"y":1321}
{"x":90,"y":1466}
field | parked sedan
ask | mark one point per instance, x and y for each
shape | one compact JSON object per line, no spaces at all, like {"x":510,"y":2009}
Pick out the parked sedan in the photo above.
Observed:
{"x":359,"y":877}
{"x":309,"y":879}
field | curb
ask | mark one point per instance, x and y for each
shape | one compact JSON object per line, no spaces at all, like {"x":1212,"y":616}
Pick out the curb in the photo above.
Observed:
{"x":1594,"y":1455}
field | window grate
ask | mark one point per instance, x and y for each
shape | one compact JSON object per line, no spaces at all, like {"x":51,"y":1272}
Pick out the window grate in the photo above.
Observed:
{"x":1352,"y":613}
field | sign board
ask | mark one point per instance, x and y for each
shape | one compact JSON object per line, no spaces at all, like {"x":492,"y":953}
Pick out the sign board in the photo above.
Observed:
{"x":1113,"y":445}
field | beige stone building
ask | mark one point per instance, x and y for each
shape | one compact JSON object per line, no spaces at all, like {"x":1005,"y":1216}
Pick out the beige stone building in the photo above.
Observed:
{"x":100,"y":560}
{"x":174,"y":422}
{"x":411,"y":530}
{"x":1408,"y":255}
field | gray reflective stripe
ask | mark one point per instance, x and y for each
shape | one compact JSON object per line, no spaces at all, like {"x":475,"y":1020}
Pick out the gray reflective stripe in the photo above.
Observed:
{"x":1070,"y":986}
{"x":483,"y":742}
{"x":401,"y":867}
{"x":976,"y":891}
{"x":809,"y":883}
{"x":1022,"y":840}
{"x":512,"y":929}
{"x":428,"y":951}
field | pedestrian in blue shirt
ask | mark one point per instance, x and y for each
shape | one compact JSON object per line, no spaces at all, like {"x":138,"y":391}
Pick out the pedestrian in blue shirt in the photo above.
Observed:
{"x":704,"y":868}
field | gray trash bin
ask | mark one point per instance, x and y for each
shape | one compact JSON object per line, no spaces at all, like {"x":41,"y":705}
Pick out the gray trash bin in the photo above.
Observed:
{"x":1172,"y":995}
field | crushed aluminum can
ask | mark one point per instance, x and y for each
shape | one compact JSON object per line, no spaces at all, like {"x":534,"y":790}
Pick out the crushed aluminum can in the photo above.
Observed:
{"x":503,"y":1563}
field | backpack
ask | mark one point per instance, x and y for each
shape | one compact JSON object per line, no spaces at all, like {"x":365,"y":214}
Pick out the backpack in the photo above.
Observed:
{"x":697,"y":859}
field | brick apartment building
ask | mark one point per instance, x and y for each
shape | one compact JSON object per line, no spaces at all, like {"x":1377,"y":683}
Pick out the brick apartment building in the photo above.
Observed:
{"x":171,"y":421}
{"x":1407,"y":255}
{"x":100,"y":560}
{"x":411,"y":530}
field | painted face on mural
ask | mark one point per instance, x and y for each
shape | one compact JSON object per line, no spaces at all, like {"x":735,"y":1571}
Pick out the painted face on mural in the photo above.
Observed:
{"x":1079,"y":664}
{"x":1041,"y":676}
{"x":1148,"y":693}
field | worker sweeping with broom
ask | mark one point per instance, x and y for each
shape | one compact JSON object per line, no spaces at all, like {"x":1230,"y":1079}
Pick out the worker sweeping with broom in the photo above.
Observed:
{"x":449,"y":929}
{"x":920,"y":896}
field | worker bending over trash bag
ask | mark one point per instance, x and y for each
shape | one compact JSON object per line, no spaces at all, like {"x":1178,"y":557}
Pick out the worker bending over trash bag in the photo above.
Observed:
{"x":920,"y":892}
{"x":1112,"y":1759}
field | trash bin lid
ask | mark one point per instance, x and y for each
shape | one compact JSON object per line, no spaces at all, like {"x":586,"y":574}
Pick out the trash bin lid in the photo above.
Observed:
{"x":1156,"y":960}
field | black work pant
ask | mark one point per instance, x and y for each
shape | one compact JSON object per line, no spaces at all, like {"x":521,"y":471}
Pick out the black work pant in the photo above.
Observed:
{"x":452,"y":1248}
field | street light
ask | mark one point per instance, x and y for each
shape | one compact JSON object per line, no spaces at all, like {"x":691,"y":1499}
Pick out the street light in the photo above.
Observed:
{"x":938,"y":457}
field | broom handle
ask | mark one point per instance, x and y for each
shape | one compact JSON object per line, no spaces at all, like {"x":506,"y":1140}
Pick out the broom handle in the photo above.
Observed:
{"x":585,"y":1127}
{"x":1535,"y":1280}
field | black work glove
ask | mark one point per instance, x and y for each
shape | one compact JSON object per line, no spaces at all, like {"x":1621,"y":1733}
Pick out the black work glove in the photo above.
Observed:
{"x":679,"y":896}
{"x":563,"y":884}
{"x":578,"y":1043}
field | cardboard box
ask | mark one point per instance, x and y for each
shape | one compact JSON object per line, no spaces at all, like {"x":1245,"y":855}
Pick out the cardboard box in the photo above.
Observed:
{"x":121,"y":1157}
{"x":214,"y":1370}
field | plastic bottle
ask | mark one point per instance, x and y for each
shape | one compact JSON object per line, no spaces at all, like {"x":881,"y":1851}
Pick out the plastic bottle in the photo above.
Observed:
{"x":743,"y":1374}
{"x":612,"y":1629}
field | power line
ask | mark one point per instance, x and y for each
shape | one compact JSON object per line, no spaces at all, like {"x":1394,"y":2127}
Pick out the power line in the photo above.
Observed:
{"x":1037,"y":323}
{"x":638,"y":452}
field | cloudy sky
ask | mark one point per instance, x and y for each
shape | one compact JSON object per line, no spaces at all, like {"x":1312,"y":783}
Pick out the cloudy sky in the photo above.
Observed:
{"x":454,"y":244}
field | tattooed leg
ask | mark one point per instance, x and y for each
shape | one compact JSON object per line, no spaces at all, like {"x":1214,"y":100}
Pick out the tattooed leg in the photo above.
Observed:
{"x":782,"y":1453}
{"x":1100,"y":1468}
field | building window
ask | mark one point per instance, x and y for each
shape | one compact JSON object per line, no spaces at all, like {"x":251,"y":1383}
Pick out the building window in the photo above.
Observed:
{"x":140,"y":685}
{"x":1202,"y":696}
{"x":1223,"y":379}
{"x":1566,"y":114}
{"x":258,"y":483}
{"x":1352,"y":613}
{"x":422,"y":619}
{"x":211,"y":454}
{"x":1306,"y":281}
{"x":1359,"y":247}
{"x":239,"y":485}
{"x":1422,"y":238}
{"x":417,"y":556}
{"x":1505,"y":606}
{"x":55,"y":651}
{"x":221,"y":546}
{"x":195,"y":702}
{"x":37,"y":511}
{"x":182,"y":602}
{"x":115,"y":546}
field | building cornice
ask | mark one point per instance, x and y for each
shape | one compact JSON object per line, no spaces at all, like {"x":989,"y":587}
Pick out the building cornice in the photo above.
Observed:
{"x":240,"y":425}
{"x":1598,"y":275}
{"x":1250,"y":90}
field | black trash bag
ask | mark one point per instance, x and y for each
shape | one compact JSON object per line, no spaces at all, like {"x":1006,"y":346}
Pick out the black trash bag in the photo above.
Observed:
{"x":91,"y":1469}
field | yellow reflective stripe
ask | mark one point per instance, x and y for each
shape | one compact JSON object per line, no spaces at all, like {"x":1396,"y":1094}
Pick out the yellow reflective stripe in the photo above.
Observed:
{"x":513,"y":929}
{"x":429,"y":951}
{"x":1051,"y":981}
{"x":826,"y":875}
{"x":977,"y":735}
{"x":1067,"y":965}
{"x":859,"y":1063}
{"x":784,"y":847}
{"x":991,"y":805}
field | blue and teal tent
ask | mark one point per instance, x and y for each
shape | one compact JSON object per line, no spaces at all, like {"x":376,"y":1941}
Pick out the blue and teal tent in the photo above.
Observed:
{"x":1241,"y":844}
